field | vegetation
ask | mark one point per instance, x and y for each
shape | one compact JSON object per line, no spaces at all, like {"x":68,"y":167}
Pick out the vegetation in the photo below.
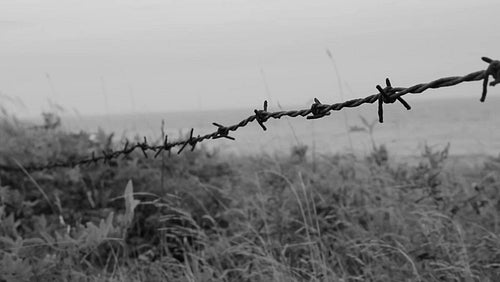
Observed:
{"x":200,"y":216}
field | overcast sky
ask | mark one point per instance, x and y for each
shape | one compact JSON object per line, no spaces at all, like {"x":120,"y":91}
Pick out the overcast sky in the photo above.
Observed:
{"x":103,"y":56}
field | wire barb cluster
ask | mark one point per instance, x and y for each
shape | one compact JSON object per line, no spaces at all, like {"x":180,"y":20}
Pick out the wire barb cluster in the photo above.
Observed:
{"x":386,"y":95}
{"x":493,"y":70}
{"x":386,"y":98}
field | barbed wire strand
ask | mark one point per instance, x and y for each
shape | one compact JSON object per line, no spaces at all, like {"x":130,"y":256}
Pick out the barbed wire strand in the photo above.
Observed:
{"x":386,"y":95}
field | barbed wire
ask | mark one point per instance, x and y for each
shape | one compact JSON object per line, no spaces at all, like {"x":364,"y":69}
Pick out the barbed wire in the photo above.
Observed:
{"x":386,"y":95}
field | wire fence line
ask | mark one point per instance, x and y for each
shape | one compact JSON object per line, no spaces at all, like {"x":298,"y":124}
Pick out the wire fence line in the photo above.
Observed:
{"x":386,"y":95}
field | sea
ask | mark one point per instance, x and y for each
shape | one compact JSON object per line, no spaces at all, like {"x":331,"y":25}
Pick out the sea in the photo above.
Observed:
{"x":469,"y":126}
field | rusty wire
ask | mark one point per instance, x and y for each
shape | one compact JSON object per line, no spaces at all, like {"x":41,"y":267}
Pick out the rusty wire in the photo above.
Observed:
{"x":386,"y":95}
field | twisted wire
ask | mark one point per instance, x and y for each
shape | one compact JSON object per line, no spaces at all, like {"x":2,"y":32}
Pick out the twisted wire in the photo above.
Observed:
{"x":386,"y":95}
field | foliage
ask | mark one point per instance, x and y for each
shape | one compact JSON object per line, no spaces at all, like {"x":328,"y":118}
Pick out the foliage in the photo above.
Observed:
{"x":199,"y":216}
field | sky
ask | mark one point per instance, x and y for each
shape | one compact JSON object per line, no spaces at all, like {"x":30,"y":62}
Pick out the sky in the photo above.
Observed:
{"x":108,"y":56}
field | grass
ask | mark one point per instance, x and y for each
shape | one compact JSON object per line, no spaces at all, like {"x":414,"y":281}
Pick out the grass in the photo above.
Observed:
{"x":258,"y":218}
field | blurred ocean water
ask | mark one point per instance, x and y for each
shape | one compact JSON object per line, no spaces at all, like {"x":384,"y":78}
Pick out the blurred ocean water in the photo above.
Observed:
{"x":471,"y":127}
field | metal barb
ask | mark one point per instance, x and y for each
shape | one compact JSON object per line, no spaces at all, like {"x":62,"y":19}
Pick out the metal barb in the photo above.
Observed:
{"x":317,"y":110}
{"x":185,"y":143}
{"x":143,"y":146}
{"x":493,"y":70}
{"x":385,"y":96}
{"x":193,"y":142}
{"x":262,"y":116}
{"x":222,"y":132}
{"x":165,"y":146}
